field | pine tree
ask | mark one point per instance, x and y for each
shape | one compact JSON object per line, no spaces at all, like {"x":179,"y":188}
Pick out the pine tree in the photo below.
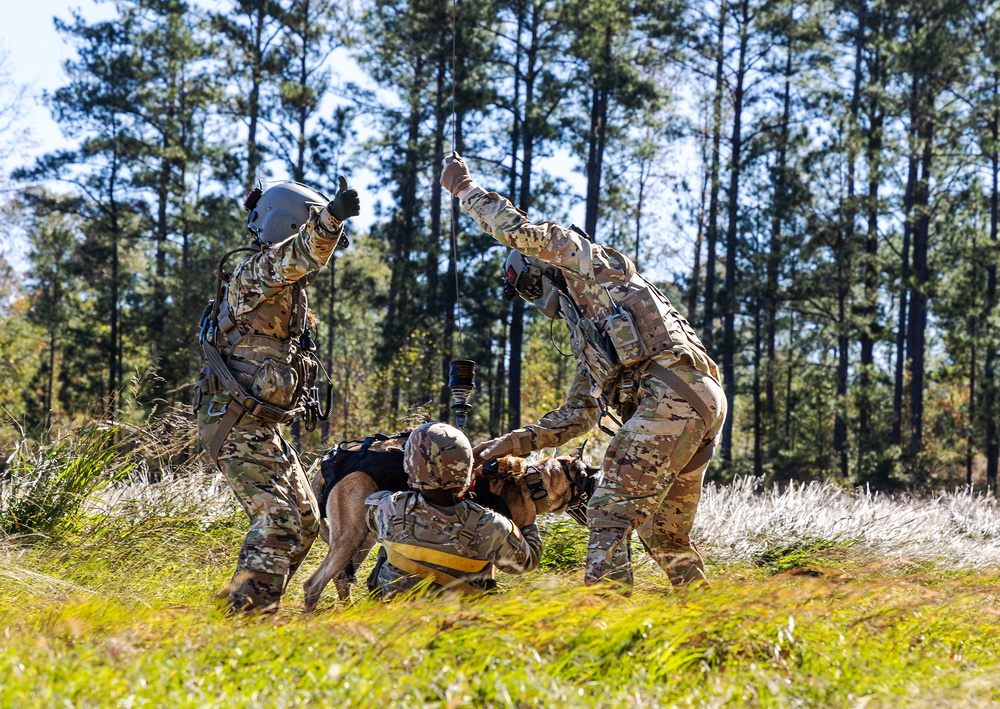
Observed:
{"x":99,"y":106}
{"x":251,"y":32}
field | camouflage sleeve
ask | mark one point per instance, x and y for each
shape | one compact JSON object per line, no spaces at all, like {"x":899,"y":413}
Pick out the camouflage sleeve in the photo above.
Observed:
{"x":546,"y":240}
{"x":574,"y":418}
{"x":510,"y":549}
{"x":376,"y":512}
{"x":279,"y":265}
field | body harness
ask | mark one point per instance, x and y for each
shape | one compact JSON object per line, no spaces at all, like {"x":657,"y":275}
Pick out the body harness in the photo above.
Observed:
{"x":581,"y":487}
{"x":273,"y":380}
{"x":412,"y":558}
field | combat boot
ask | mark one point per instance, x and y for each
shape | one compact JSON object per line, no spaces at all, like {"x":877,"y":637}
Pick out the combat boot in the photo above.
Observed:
{"x":684,"y":569}
{"x":254,"y":592}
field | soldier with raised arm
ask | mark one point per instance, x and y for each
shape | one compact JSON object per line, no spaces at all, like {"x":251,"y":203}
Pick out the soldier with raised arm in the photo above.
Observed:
{"x":261,"y":372}
{"x":637,"y":355}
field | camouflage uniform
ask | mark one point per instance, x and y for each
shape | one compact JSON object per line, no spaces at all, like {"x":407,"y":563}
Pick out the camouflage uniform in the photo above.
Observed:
{"x":264,"y":300}
{"x":646,"y":485}
{"x":466,"y":530}
{"x":455,"y":545}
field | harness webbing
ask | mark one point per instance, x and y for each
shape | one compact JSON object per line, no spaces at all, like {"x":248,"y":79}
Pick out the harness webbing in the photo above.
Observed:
{"x":673,"y":380}
{"x":241,"y":402}
{"x":439,"y":558}
{"x":410,"y":566}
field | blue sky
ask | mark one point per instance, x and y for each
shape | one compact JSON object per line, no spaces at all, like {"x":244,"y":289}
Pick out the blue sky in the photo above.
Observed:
{"x":36,"y":54}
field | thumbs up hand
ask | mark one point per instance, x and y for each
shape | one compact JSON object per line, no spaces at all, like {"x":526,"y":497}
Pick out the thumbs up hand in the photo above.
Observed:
{"x":345,"y":204}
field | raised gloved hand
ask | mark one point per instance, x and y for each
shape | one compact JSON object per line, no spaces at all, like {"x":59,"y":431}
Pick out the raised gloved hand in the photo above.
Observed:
{"x":455,"y":178}
{"x":345,"y":204}
{"x":517,"y":442}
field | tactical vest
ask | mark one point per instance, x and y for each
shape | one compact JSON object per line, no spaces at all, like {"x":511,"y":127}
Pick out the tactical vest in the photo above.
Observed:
{"x":411,"y":557}
{"x":272,"y":379}
{"x":629,"y":330}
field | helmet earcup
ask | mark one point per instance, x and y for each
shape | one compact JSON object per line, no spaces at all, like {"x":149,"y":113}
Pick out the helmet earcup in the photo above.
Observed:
{"x":548,"y":303}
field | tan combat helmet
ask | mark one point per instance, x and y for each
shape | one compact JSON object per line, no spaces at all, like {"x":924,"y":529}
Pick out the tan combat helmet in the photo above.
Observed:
{"x":277,"y":213}
{"x":438,"y":456}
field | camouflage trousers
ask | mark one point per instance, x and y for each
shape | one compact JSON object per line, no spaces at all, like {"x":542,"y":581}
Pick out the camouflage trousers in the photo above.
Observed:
{"x":270,"y":484}
{"x":643,"y":489}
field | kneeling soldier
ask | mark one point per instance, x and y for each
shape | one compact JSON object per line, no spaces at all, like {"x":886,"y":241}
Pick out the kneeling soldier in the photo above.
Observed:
{"x":433,"y":534}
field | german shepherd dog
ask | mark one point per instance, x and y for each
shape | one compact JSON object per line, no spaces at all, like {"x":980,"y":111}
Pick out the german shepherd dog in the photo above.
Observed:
{"x":515,"y":487}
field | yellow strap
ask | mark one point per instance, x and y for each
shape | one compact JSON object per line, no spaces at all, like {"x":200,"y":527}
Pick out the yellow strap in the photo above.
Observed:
{"x":438,"y":558}
{"x":439,"y":577}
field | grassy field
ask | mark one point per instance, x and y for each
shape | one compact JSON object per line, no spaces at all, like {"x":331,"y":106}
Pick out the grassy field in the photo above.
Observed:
{"x":819,"y":597}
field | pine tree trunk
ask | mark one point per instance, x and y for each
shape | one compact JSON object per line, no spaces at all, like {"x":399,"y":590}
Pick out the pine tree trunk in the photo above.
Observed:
{"x":729,"y":322}
{"x":970,"y":436}
{"x":114,"y":337}
{"x":524,"y":203}
{"x":331,"y":315}
{"x":904,"y":291}
{"x":775,"y":256}
{"x":712,"y":233}
{"x":436,"y":236}
{"x":303,"y":114}
{"x":989,"y":372}
{"x":253,"y":101}
{"x":692,"y":299}
{"x":597,"y":137}
{"x":158,"y":317}
{"x":874,"y":149}
{"x":758,"y":457}
{"x":51,"y":376}
{"x":918,"y":303}
{"x":845,"y":275}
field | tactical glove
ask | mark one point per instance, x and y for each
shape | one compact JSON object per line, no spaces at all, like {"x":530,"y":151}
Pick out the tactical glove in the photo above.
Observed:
{"x":345,"y":204}
{"x":516,"y":442}
{"x":455,"y":177}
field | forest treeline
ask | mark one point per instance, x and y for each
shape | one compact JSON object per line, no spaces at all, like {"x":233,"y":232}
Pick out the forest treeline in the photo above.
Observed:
{"x":814,"y":183}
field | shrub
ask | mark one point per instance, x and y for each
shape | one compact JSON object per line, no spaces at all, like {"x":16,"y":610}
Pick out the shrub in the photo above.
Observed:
{"x":46,"y":484}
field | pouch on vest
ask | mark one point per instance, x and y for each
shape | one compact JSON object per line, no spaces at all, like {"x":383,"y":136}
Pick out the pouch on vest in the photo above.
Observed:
{"x":590,"y":347}
{"x":276,"y":383}
{"x":310,"y":370}
{"x":655,"y":336}
{"x":625,"y":337}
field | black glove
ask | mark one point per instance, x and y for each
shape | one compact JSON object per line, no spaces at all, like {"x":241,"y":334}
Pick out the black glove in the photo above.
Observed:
{"x":345,"y":204}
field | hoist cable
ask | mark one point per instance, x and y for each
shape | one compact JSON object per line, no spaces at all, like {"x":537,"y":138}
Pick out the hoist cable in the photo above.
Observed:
{"x":457,"y":309}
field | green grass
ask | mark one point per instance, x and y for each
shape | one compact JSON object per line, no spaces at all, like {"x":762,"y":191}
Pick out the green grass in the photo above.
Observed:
{"x":120,"y":612}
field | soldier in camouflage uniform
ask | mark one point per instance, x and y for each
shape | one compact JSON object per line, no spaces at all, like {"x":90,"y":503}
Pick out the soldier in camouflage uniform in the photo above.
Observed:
{"x":432,"y":534}
{"x":635,"y":354}
{"x":261,"y":372}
